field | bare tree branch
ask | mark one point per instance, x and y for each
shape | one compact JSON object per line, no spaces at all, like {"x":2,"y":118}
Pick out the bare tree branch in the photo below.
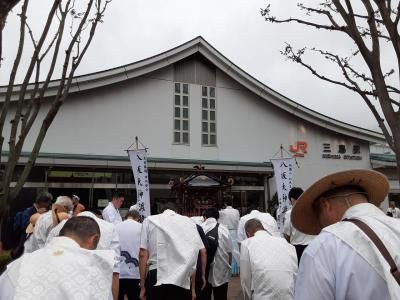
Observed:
{"x":7,"y":99}
{"x":266,"y":14}
{"x":13,"y":154}
{"x":63,"y":88}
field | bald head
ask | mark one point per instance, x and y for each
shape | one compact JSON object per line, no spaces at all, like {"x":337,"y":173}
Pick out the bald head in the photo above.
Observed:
{"x":252,"y":226}
{"x":83,"y":230}
{"x":133,"y":215}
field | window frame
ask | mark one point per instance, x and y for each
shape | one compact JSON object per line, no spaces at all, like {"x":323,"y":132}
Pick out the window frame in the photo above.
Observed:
{"x":208,"y":120}
{"x":181,"y":118}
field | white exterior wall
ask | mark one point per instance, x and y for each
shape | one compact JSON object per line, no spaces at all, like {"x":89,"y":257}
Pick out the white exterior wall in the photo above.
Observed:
{"x":105,"y":121}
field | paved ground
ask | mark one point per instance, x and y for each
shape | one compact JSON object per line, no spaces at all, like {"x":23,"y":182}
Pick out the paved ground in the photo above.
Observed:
{"x":234,"y":290}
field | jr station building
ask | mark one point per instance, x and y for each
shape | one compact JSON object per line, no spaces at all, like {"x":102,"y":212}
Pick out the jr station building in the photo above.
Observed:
{"x":203,"y":119}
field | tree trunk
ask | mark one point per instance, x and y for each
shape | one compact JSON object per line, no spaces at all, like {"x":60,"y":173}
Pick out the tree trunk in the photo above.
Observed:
{"x":396,"y":141}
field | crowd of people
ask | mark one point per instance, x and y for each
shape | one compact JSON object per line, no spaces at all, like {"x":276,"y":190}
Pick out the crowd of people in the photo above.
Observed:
{"x":336,"y":243}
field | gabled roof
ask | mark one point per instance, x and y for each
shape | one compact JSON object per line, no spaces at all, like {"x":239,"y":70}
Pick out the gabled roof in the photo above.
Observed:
{"x":200,"y":45}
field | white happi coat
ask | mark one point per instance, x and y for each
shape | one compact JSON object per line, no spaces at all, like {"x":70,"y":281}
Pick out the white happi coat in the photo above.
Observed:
{"x":268,"y":222}
{"x":229,"y":217}
{"x":61,"y":270}
{"x":41,"y":230}
{"x":108,"y":236}
{"x":268,"y":267}
{"x":343,"y":263}
{"x":173,"y":243}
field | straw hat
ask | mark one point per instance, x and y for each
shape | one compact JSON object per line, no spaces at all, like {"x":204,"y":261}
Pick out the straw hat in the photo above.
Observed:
{"x":373,"y":183}
{"x":58,"y":214}
{"x":32,"y":221}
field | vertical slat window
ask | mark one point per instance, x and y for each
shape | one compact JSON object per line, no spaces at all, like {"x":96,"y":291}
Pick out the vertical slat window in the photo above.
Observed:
{"x":208,"y":116}
{"x":181,"y":113}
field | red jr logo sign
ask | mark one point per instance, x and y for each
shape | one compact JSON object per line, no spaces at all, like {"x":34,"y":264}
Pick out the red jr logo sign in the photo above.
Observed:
{"x":300,"y":150}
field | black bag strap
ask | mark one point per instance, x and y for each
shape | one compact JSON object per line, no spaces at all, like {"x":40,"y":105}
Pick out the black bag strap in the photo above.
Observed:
{"x":214,"y":232}
{"x":379,"y":244}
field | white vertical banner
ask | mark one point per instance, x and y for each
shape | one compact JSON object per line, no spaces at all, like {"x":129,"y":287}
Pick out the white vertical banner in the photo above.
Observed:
{"x":283,"y":169}
{"x":138,"y":160}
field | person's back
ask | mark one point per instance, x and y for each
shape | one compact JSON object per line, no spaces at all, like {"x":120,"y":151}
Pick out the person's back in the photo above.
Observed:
{"x":220,"y":268}
{"x":67,"y":268}
{"x":343,"y":261}
{"x":129,"y":239}
{"x":229,"y":217}
{"x":108,"y":241}
{"x":268,"y":264}
{"x":52,"y":218}
{"x":174,"y":227}
{"x":361,"y":269}
{"x":274,"y":266}
{"x":269,"y":223}
{"x":169,"y":246}
{"x":42,"y":229}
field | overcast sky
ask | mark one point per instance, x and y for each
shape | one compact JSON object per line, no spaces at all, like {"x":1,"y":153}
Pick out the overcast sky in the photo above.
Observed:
{"x":136,"y":29}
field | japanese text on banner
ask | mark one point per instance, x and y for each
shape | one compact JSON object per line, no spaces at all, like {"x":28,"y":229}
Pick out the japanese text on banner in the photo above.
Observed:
{"x":138,"y":160}
{"x":283,"y":169}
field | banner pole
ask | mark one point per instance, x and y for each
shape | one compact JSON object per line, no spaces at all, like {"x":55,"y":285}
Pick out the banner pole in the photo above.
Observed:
{"x":137,"y":143}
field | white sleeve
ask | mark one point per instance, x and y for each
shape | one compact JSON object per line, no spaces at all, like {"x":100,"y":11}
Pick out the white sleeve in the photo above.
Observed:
{"x":226,"y":241}
{"x":144,"y":241}
{"x":115,"y":245}
{"x":245,"y":272}
{"x":315,"y":279}
{"x":55,"y":231}
{"x":6,"y":287}
{"x":287,"y":226}
{"x":108,"y":215}
{"x":8,"y":280}
{"x":241,"y":234}
{"x":273,"y":228}
{"x":40,"y":234}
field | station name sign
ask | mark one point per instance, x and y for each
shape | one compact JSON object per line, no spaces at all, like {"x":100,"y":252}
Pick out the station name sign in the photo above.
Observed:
{"x":341,"y":152}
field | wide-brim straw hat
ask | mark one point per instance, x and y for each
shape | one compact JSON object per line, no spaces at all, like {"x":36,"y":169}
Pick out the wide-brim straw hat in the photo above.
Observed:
{"x":32,"y":221}
{"x":373,"y":183}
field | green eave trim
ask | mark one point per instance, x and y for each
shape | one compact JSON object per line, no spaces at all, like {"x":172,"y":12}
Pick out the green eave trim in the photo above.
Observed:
{"x":149,"y":159}
{"x":383,"y":157}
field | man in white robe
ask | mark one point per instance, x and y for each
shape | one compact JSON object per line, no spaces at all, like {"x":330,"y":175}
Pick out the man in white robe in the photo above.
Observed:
{"x":230,"y":217}
{"x":220,"y":269}
{"x":111,"y":212}
{"x":268,"y":265}
{"x":66,"y":269}
{"x":393,"y":210}
{"x":342,"y":262}
{"x":108,"y":241}
{"x":169,"y":249}
{"x":269,"y":223}
{"x":50,"y":219}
